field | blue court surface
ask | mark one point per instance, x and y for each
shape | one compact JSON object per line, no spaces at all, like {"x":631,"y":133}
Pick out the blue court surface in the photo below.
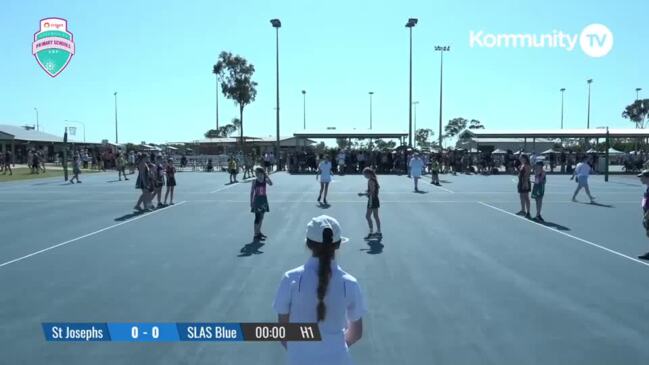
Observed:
{"x":457,"y":279}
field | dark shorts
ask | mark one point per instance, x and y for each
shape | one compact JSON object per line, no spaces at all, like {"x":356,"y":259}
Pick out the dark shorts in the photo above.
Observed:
{"x":520,"y":188}
{"x":232,"y":171}
{"x":171,"y":181}
{"x":373,"y":203}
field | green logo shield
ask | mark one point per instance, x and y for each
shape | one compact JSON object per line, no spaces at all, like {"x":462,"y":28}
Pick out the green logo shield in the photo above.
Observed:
{"x":53,"y":45}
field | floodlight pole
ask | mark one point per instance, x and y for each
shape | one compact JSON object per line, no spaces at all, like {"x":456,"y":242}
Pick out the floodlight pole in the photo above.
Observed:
{"x":589,"y":81}
{"x":276,"y":23}
{"x":562,"y":91}
{"x":441,"y":50}
{"x":371,"y":93}
{"x":411,"y":23}
{"x":607,"y":155}
{"x":116,"y":138}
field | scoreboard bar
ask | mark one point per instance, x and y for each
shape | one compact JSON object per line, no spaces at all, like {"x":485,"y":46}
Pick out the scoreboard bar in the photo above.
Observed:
{"x":183,"y":332}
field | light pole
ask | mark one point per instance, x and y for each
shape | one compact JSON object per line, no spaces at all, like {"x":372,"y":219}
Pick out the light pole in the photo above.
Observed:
{"x":415,"y":104}
{"x":116,"y":138}
{"x":276,"y":23}
{"x":637,"y":97}
{"x":441,"y":50}
{"x":82,"y":124}
{"x":562,"y":90}
{"x":589,"y":81}
{"x":371,"y":93}
{"x":217,"y":102}
{"x":410,"y":24}
{"x":304,"y":106}
{"x":37,"y":124}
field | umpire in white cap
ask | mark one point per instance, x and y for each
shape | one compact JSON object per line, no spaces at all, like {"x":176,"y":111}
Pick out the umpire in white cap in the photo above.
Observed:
{"x":320,"y":291}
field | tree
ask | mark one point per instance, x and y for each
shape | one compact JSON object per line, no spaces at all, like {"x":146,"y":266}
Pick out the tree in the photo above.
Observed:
{"x":465,"y":135}
{"x":475,"y":124}
{"x":422,"y":136}
{"x":343,"y":143}
{"x":224,"y":130}
{"x":383,"y":145}
{"x":321,"y":148}
{"x":455,"y":126}
{"x":235,"y":74}
{"x":212,"y":133}
{"x":637,"y":112}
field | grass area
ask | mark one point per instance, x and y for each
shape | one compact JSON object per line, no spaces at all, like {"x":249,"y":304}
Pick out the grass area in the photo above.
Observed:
{"x":24,"y":173}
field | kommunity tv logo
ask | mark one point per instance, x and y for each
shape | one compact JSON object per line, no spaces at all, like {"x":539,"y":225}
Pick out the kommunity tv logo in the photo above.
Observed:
{"x":595,"y":40}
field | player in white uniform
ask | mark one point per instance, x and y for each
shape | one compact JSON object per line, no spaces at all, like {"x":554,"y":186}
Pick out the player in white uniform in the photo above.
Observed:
{"x":582,"y":171}
{"x":416,"y":166}
{"x":324,"y":173}
{"x":341,"y":162}
{"x":320,"y":291}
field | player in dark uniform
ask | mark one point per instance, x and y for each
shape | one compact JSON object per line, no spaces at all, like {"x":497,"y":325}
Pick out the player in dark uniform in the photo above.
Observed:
{"x":524,"y":187}
{"x":373,"y":203}
{"x":644,"y":177}
{"x":7,"y":163}
{"x":171,"y":181}
{"x":259,"y":200}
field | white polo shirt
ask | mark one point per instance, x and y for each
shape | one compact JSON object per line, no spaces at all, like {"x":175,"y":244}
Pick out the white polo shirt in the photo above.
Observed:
{"x":582,"y":170}
{"x":325,"y":171}
{"x":416,"y":165}
{"x":297,"y":296}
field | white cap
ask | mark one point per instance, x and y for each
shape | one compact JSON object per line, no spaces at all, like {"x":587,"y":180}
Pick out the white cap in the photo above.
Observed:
{"x":317,"y":225}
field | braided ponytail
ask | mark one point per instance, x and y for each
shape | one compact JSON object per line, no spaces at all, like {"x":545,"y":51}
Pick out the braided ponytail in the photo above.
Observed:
{"x":325,"y":252}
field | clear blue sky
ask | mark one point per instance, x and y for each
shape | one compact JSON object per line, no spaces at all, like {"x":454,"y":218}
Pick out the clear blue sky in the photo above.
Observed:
{"x":158,"y":56}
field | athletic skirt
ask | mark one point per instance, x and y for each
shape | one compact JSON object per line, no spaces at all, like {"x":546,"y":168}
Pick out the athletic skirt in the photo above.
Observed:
{"x":520,"y":187}
{"x":373,"y":202}
{"x":260,"y":204}
{"x":538,"y":191}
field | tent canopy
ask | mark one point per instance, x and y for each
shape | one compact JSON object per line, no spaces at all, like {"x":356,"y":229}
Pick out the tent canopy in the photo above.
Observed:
{"x":549,"y":152}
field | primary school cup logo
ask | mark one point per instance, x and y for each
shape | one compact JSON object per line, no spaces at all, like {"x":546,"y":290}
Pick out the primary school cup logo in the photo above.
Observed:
{"x":53,"y":45}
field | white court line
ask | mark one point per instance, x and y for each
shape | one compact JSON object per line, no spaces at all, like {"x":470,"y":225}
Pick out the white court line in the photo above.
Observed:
{"x":364,"y":202}
{"x":568,"y":235}
{"x":225,"y":187}
{"x":445,"y":189}
{"x":36,"y":201}
{"x":509,"y":192}
{"x":89,"y":235}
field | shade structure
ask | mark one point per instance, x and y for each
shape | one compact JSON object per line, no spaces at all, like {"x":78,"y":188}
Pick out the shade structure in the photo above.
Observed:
{"x":549,"y":152}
